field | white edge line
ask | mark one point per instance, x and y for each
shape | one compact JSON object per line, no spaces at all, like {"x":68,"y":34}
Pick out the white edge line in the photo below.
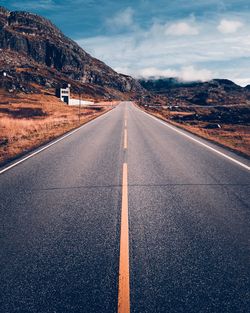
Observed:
{"x":197,"y":141}
{"x":51,"y":144}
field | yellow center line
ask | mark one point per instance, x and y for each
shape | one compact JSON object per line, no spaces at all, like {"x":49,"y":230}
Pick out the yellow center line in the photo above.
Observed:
{"x":124,"y":290}
{"x":125,"y":138}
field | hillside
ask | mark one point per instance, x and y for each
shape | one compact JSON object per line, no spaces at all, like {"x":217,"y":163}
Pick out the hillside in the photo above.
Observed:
{"x":35,"y":53}
{"x":214,"y":92}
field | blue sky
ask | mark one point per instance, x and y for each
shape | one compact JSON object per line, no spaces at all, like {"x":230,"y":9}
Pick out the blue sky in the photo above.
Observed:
{"x":200,"y":39}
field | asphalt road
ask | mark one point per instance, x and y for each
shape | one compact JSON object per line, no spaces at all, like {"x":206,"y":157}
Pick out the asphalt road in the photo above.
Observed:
{"x":189,"y":224}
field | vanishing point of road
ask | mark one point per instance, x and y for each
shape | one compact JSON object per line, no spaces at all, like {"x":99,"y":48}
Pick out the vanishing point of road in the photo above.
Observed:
{"x":126,"y":214}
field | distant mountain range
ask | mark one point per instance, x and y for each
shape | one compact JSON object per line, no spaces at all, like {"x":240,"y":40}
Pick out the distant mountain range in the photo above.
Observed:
{"x":35,"y":54}
{"x":214,"y":92}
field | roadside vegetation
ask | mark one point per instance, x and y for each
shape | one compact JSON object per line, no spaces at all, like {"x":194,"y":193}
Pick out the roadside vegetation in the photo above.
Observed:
{"x":226,"y":125}
{"x":28,"y":121}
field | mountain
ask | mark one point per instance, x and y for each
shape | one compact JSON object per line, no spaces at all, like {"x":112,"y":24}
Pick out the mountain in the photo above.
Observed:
{"x":34,"y":53}
{"x":214,"y":92}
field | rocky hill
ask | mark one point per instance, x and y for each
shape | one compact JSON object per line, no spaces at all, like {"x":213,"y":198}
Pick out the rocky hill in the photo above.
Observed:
{"x":34,"y":53}
{"x":214,"y":92}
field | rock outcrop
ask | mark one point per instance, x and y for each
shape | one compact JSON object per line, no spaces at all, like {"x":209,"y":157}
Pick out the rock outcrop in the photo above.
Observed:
{"x":33,"y":49}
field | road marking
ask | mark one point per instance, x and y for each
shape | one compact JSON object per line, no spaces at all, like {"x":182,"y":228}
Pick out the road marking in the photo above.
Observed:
{"x":125,"y":138}
{"x":198,"y":141}
{"x":125,"y":123}
{"x":50,"y":144}
{"x":124,"y":290}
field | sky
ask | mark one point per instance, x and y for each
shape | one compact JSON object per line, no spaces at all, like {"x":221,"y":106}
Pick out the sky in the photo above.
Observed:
{"x":191,"y":40}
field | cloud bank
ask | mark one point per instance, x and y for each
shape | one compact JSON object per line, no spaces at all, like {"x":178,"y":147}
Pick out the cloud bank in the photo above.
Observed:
{"x":185,"y":73}
{"x":189,"y":49}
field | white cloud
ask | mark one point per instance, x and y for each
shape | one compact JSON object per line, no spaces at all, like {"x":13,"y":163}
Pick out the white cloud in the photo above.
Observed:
{"x":190,"y":73}
{"x":121,"y":20}
{"x":181,"y":28}
{"x":156,"y":72}
{"x":185,"y":73}
{"x":242,"y":81}
{"x":152,"y":52}
{"x":229,"y":26}
{"x":147,"y":72}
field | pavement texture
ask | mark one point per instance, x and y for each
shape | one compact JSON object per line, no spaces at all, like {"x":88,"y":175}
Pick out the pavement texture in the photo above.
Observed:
{"x":189,"y":224}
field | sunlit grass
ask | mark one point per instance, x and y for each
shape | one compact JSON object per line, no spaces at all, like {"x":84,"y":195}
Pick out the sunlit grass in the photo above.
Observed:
{"x":20,"y":133}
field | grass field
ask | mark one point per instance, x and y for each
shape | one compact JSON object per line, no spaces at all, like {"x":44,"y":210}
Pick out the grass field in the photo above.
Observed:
{"x":27,"y":121}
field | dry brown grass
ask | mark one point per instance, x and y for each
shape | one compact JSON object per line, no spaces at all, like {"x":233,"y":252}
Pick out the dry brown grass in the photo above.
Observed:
{"x":21,"y":132}
{"x":233,"y":136}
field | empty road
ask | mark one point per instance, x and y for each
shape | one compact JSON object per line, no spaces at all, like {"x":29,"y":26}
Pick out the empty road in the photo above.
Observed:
{"x":127,"y":214}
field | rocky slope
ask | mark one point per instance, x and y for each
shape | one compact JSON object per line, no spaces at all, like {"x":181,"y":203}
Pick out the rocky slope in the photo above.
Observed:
{"x":35,"y":53}
{"x":214,"y":92}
